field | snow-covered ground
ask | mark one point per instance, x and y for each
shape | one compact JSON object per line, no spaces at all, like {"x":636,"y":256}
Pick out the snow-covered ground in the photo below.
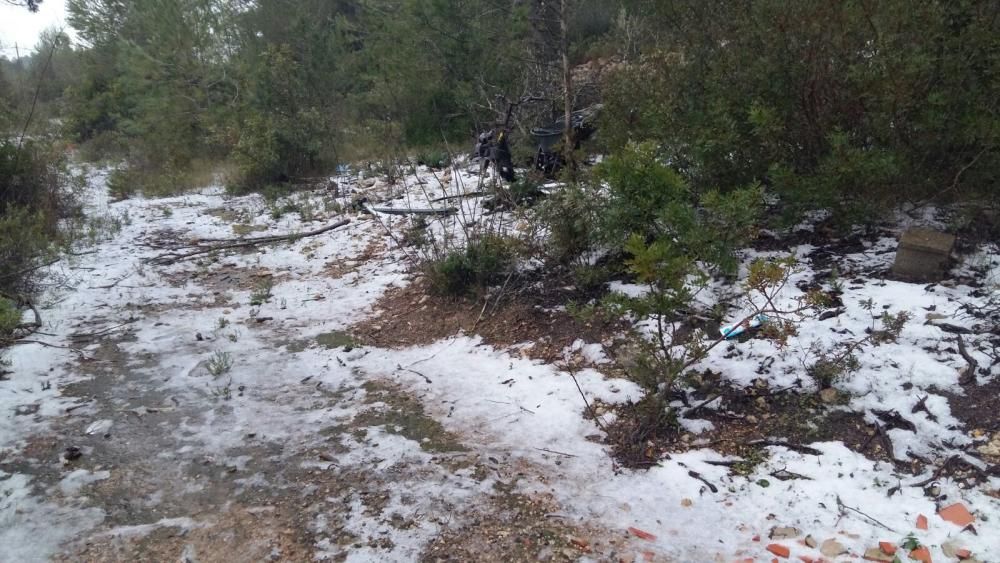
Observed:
{"x":212,"y":429}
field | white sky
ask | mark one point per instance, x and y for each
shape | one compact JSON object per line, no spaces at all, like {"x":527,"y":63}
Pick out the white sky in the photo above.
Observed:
{"x":21,"y":27}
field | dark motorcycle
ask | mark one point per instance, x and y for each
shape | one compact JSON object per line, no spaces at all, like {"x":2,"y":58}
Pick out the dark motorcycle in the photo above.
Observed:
{"x":493,"y":146}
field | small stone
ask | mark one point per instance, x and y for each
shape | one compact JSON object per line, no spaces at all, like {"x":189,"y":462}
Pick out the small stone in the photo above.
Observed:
{"x":580,"y":543}
{"x":992,"y":448}
{"x":832,"y":548}
{"x":752,"y":419}
{"x":784,"y":533}
{"x":811,"y":542}
{"x":876,"y":554}
{"x":72,"y":453}
{"x":828,"y":395}
{"x":950,"y":549}
{"x":686,"y":502}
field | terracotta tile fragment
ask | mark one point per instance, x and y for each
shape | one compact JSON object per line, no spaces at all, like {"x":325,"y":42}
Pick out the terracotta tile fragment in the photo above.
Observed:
{"x":642,"y":534}
{"x":957,"y":514}
{"x":921,"y":554}
{"x":887,"y":547}
{"x":779,"y":550}
{"x":921,"y":522}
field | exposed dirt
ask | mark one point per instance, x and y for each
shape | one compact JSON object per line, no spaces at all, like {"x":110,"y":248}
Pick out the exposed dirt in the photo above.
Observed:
{"x":520,"y":528}
{"x":411,"y":316}
{"x":342,"y":267}
{"x":260,"y":501}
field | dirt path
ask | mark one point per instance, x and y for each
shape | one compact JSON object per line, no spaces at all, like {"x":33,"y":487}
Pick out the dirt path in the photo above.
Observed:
{"x":146,"y":445}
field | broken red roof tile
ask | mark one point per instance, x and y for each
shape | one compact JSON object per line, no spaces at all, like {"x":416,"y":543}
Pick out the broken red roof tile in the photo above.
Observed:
{"x":779,"y":550}
{"x":957,"y":514}
{"x":642,"y":534}
{"x":921,"y":522}
{"x":921,"y":554}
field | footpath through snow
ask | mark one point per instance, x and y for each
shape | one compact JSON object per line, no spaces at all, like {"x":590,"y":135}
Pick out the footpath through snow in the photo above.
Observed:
{"x":220,"y":410}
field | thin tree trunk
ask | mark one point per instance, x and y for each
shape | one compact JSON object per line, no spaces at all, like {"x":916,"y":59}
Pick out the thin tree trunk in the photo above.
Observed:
{"x":567,"y":82}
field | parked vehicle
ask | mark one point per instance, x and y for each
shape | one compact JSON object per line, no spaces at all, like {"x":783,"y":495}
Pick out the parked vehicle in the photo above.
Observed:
{"x":493,"y":146}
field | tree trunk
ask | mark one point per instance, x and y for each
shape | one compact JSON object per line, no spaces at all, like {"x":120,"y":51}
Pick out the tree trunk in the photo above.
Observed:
{"x":568,"y":140}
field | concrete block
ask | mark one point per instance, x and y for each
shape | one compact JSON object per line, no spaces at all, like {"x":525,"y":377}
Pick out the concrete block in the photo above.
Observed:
{"x":923,"y":255}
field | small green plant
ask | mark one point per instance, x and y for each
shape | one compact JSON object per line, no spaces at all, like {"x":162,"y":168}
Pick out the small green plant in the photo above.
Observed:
{"x":571,"y":217}
{"x":333,"y":206}
{"x":835,"y":282}
{"x":484,"y":261}
{"x":831,"y":366}
{"x":827,"y":370}
{"x":224,"y":392}
{"x":222,"y":323}
{"x":750,"y":461}
{"x":416,"y":234}
{"x":434,"y":158}
{"x":261,"y":292}
{"x":121,"y":185}
{"x":220,"y":363}
{"x":674,"y":348}
{"x":910,"y":542}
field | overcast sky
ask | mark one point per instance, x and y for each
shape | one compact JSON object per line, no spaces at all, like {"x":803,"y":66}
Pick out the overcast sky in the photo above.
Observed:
{"x":21,"y":27}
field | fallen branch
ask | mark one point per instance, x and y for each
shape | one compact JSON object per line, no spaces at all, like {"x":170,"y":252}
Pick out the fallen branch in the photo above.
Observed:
{"x":698,"y":476}
{"x":175,"y":256}
{"x":408,"y":211}
{"x":970,"y":373}
{"x":794,"y":447}
{"x":14,"y":275}
{"x":78,"y":337}
{"x":786,"y":475}
{"x":724,"y":463}
{"x":842,"y":507}
{"x":458,"y":196}
{"x":427,"y":379}
{"x":82,"y":355}
{"x":555,"y":452}
{"x":590,"y":409}
{"x":937,"y":473}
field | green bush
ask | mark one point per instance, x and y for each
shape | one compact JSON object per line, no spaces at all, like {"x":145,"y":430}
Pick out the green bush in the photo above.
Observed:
{"x":483,"y":262}
{"x":571,"y":217}
{"x":849,"y":106}
{"x":32,"y":203}
{"x":10,"y":318}
{"x":650,"y":203}
{"x":434,"y":158}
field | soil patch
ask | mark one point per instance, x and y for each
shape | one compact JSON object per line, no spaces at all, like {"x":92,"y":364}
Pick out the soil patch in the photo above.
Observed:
{"x":516,"y":527}
{"x":744,"y":421}
{"x":344,"y":266}
{"x":411,"y":316}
